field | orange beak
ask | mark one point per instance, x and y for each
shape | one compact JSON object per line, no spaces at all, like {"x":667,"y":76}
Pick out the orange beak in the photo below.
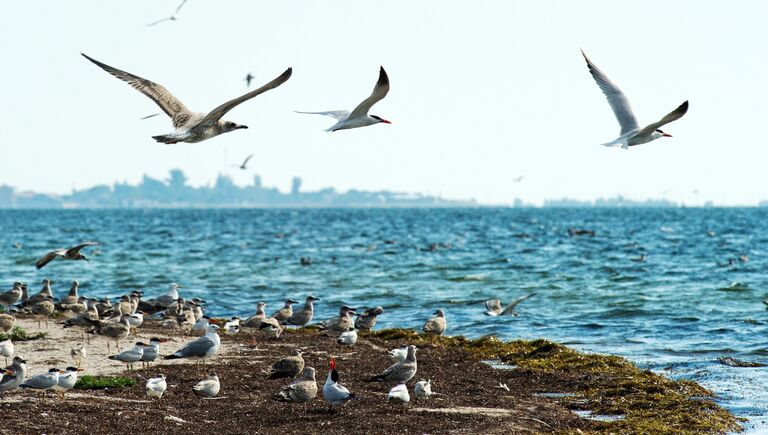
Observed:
{"x":666,"y":135}
{"x":385,"y":121}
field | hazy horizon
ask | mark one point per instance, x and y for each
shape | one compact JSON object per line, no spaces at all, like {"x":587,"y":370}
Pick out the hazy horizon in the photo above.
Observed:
{"x":480,"y":96}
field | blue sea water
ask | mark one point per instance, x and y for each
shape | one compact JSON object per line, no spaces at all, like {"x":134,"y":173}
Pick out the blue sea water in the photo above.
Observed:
{"x":675,"y":313}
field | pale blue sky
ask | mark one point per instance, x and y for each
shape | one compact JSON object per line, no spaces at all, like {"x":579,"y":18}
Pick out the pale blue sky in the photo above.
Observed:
{"x":481,"y":92}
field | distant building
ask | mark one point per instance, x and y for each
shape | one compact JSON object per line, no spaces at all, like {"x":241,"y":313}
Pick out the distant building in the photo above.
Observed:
{"x":295,"y":186}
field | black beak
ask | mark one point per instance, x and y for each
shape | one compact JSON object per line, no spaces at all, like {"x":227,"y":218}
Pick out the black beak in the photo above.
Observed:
{"x":242,"y":126}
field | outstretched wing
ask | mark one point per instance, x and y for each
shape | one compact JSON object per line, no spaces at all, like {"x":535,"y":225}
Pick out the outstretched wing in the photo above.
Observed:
{"x":671,"y":116}
{"x":337,"y":114}
{"x":510,"y":309}
{"x":47,"y":258}
{"x":81,"y":246}
{"x":245,"y":162}
{"x":616,"y":98}
{"x":379,"y":92}
{"x":216,"y":114}
{"x":170,"y":104}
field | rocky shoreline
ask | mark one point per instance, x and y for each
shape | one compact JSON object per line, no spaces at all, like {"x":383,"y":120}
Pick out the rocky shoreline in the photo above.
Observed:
{"x":548,"y":384}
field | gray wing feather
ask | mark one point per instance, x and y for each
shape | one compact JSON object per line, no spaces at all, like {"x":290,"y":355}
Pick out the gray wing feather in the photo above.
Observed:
{"x":671,"y":116}
{"x":616,"y":98}
{"x":216,"y":114}
{"x":379,"y":92}
{"x":337,"y":114}
{"x":196,"y":348}
{"x":511,"y":307}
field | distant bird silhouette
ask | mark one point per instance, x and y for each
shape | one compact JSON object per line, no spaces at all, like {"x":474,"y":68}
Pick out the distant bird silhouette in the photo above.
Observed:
{"x":248,"y":78}
{"x":518,"y":179}
{"x":244,"y":166}
{"x":171,"y":18}
{"x":65,"y":254}
{"x":149,"y":116}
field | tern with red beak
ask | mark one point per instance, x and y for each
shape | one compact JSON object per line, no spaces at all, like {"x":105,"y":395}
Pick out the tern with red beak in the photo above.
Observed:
{"x":359,"y":117}
{"x":189,"y":126}
{"x":631,"y":133}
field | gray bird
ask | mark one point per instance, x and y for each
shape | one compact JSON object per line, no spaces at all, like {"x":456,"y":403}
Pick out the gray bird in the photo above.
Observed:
{"x":14,"y":375}
{"x":302,"y":390}
{"x":271,"y":327}
{"x":43,"y":382}
{"x":9,"y":298}
{"x":340,"y":324}
{"x":67,"y":380}
{"x":436,"y":325}
{"x":151,"y":351}
{"x":288,"y":367}
{"x":493,"y":306}
{"x":72,"y":297}
{"x":44,"y":292}
{"x":43,"y":309}
{"x":110,"y":329}
{"x":303,"y":316}
{"x":400,"y":372}
{"x":200,"y":348}
{"x":255,"y":320}
{"x":189,"y":126}
{"x":284,"y":313}
{"x":130,"y":356}
{"x":72,"y":253}
{"x":367,"y":320}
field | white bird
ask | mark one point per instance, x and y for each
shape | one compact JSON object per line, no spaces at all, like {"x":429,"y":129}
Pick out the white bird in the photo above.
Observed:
{"x":399,"y":395}
{"x":208,"y":387}
{"x":232,"y":326}
{"x":493,"y":306}
{"x":203,"y":347}
{"x":43,"y":382}
{"x":151,"y":351}
{"x":333,"y":392}
{"x":78,"y":354}
{"x":423,"y":389}
{"x":359,"y":116}
{"x":189,"y":126}
{"x":130,"y":356}
{"x":66,"y":380}
{"x":348,"y":338}
{"x":631,"y":133}
{"x":171,"y":18}
{"x":202,"y":324}
{"x":6,"y":349}
{"x":156,"y":386}
{"x":399,"y":353}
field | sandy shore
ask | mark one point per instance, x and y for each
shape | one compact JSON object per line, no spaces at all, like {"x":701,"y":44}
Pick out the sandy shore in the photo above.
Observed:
{"x":469,"y":400}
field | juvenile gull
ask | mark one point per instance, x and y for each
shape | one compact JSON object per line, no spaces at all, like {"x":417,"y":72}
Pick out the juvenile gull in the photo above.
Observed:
{"x":6,"y":349}
{"x":436,"y":325}
{"x":271,"y":327}
{"x":9,"y":298}
{"x":302,"y":390}
{"x":6,"y":322}
{"x":189,"y":126}
{"x":359,"y":116}
{"x":72,"y":297}
{"x":45,"y":291}
{"x":367,"y":320}
{"x":340,"y":324}
{"x":303,"y":316}
{"x":208,"y":387}
{"x":493,"y":306}
{"x":72,"y":253}
{"x":283,"y":314}
{"x":288,"y":367}
{"x":156,"y":386}
{"x":333,"y":392}
{"x":200,"y":348}
{"x":113,"y":330}
{"x":78,"y":354}
{"x":400,"y":372}
{"x":255,"y":320}
{"x":43,"y":309}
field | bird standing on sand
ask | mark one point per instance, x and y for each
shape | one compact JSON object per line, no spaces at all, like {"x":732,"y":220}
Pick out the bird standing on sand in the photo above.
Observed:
{"x":6,"y":322}
{"x":340,"y":324}
{"x":72,"y":253}
{"x":189,"y":126}
{"x":200,"y":348}
{"x":303,"y":316}
{"x":398,"y":395}
{"x":43,"y":382}
{"x":232,"y":326}
{"x":6,"y":349}
{"x":348,"y":337}
{"x":151,"y":351}
{"x":208,"y":387}
{"x":156,"y":386}
{"x":14,"y":375}
{"x":43,"y":309}
{"x":255,"y":320}
{"x":367,"y":320}
{"x":78,"y":354}
{"x":271,"y":327}
{"x":333,"y":392}
{"x":631,"y":133}
{"x":288,"y":367}
{"x":493,"y":306}
{"x":113,"y":330}
{"x":66,"y":380}
{"x":130,"y":356}
{"x":435,"y":325}
{"x":283,"y":314}
{"x":359,"y":116}
{"x":9,"y":298}
{"x":72,"y":297}
{"x":400,"y":372}
{"x":302,"y":390}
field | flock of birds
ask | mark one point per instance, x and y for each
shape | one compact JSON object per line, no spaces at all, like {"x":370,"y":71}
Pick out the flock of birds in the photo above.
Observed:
{"x":119,"y":320}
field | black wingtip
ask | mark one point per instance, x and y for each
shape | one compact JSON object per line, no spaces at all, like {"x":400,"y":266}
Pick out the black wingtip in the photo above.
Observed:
{"x":171,"y":357}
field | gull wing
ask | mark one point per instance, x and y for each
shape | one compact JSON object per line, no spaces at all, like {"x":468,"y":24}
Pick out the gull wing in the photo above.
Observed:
{"x":510,"y":309}
{"x":81,"y":246}
{"x":616,"y":98}
{"x":245,"y":162}
{"x":492,"y":307}
{"x":671,"y":116}
{"x":379,"y":92}
{"x":196,"y":348}
{"x":47,"y":258}
{"x":170,"y":104}
{"x":338,"y":114}
{"x":216,"y":114}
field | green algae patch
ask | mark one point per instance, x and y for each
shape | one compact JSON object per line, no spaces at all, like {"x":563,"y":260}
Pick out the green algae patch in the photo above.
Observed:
{"x":603,"y":384}
{"x":88,"y":382}
{"x":19,"y":334}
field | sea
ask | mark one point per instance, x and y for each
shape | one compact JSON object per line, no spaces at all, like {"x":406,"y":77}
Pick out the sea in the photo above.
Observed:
{"x":674,"y":290}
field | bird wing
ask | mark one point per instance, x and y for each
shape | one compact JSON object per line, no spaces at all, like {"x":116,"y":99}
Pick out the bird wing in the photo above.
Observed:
{"x":179,"y":7}
{"x":47,"y":258}
{"x":81,"y":246}
{"x":245,"y":162}
{"x":671,"y":116}
{"x":616,"y":98}
{"x":511,"y":307}
{"x":337,"y":114}
{"x":170,"y":104}
{"x":492,"y":306}
{"x":216,"y":114}
{"x":379,"y":92}
{"x":196,"y":348}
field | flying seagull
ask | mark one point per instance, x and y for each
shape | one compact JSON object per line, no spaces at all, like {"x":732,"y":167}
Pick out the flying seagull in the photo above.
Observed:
{"x":244,"y":166}
{"x":518,"y":179}
{"x":248,"y":78}
{"x":493,"y":306}
{"x":631,"y":133}
{"x":171,"y":18}
{"x":359,"y":117}
{"x":190,"y":126}
{"x":65,"y":254}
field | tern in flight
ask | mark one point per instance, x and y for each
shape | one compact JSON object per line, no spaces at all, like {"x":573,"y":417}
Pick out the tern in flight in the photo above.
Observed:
{"x":172,"y":17}
{"x":359,"y":117}
{"x":631,"y":132}
{"x":244,"y":166}
{"x":248,"y":78}
{"x":189,"y":126}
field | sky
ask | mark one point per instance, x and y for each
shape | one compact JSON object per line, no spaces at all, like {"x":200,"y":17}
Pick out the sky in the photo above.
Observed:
{"x":481,"y":93}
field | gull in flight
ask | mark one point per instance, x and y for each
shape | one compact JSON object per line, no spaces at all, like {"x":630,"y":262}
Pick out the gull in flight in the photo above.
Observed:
{"x":631,"y":133}
{"x":493,"y":306}
{"x":65,"y":254}
{"x":359,"y":117}
{"x":248,"y":78}
{"x":171,"y":18}
{"x":244,"y":165}
{"x":189,"y":126}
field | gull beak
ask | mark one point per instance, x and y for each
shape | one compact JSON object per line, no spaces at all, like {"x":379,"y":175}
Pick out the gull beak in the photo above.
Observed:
{"x":666,"y":135}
